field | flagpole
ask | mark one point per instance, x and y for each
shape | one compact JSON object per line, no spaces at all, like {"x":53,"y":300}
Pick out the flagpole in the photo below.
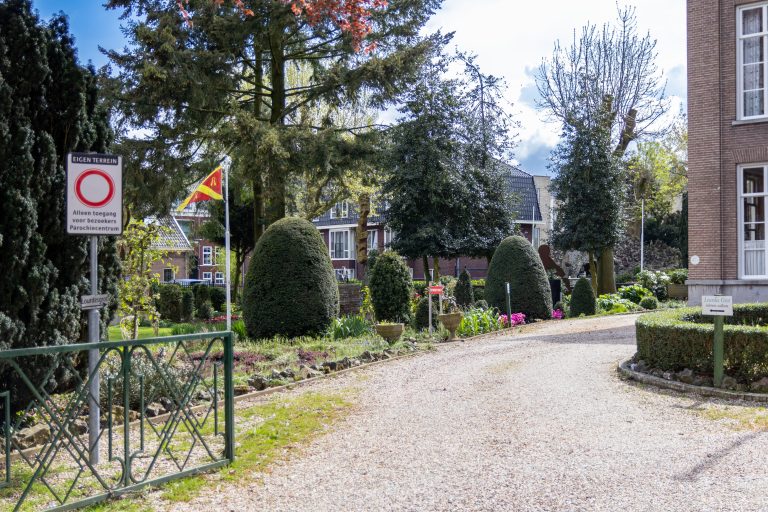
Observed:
{"x":226,"y":244}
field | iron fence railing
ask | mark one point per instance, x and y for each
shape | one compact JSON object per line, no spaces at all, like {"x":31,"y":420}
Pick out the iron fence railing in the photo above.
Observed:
{"x":167,"y":411}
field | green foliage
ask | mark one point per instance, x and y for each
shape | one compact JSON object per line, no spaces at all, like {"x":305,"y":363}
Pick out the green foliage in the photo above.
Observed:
{"x":479,"y":292}
{"x":202,"y":294}
{"x":218,"y":297}
{"x":205,"y":311}
{"x":349,"y":327}
{"x":291,"y":288}
{"x":649,"y":303}
{"x":390,"y":285}
{"x":681,"y":338}
{"x":626,"y":277}
{"x":49,"y":106}
{"x":478,"y":321}
{"x":170,"y":303}
{"x":634,"y":293}
{"x":184,"y":329}
{"x":156,"y":385}
{"x":582,"y":299}
{"x":516,"y":262}
{"x":373,"y":255}
{"x":614,"y":303}
{"x":421,"y":315}
{"x":465,"y":295}
{"x":480,"y":304}
{"x":187,"y":305}
{"x":654,"y":281}
{"x":678,"y":276}
{"x":238,"y":327}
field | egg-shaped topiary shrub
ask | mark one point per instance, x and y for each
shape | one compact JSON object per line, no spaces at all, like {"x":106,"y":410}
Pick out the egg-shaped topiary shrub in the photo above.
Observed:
{"x":583,"y":298}
{"x":515,"y":262}
{"x":290,"y":289}
{"x":465,"y":294}
{"x":391,"y":288}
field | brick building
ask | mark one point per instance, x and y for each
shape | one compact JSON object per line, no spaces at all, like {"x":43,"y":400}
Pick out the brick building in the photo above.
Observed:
{"x":728,"y":148}
{"x":173,"y":241}
{"x":533,"y":214}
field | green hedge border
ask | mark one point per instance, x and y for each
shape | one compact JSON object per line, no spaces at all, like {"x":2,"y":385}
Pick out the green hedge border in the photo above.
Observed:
{"x":676,"y":339}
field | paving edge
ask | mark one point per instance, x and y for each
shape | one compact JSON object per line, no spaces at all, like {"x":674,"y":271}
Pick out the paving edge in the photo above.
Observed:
{"x":682,"y":387}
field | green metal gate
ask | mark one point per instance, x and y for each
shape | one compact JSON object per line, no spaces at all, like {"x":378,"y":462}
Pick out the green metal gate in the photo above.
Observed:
{"x":167,"y":411}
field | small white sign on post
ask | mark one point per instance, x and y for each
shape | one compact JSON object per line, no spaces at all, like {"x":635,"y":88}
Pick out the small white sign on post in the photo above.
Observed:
{"x":94,"y":301}
{"x":94,"y":194}
{"x":717,"y":305}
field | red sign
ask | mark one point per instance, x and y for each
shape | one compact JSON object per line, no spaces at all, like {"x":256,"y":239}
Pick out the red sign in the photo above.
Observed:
{"x":436,"y":290}
{"x":94,"y":188}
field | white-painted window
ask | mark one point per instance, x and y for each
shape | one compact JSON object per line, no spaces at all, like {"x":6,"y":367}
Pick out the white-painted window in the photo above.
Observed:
{"x":752,"y":57}
{"x":388,"y":237}
{"x":373,"y":240}
{"x":536,"y":238}
{"x":219,"y":278}
{"x":207,"y":276}
{"x":344,"y":274}
{"x":752,"y":223}
{"x":207,"y":255}
{"x":340,"y":244}
{"x":340,"y":210}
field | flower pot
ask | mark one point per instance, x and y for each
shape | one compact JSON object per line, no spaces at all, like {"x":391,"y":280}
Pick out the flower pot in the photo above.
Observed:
{"x":390,"y":332}
{"x":677,"y":291}
{"x":451,"y":322}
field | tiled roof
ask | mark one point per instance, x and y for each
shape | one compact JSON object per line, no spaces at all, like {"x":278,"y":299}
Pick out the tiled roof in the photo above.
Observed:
{"x":520,"y":183}
{"x":172,"y":237}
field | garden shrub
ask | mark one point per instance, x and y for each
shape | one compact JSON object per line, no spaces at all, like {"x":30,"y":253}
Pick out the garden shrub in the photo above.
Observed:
{"x":635,"y":293}
{"x":187,"y":305}
{"x":515,"y":261}
{"x":421,"y":317}
{"x":184,"y":329}
{"x":613,"y":303}
{"x":559,"y":306}
{"x":649,"y":303}
{"x":465,"y":295}
{"x":373,"y":255}
{"x":169,"y":304}
{"x":156,"y":385}
{"x":202,"y":293}
{"x":218,"y":297}
{"x":582,"y":298}
{"x":290,"y":288}
{"x":480,"y":304}
{"x":678,"y":276}
{"x":479,"y":292}
{"x":390,"y":284}
{"x":352,"y":326}
{"x":205,"y":311}
{"x":682,"y":338}
{"x":654,"y":281}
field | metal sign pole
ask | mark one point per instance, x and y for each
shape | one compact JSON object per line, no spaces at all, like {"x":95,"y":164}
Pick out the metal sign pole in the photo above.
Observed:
{"x":718,"y":350}
{"x":94,"y":412}
{"x":429,"y":305}
{"x":509,"y":306}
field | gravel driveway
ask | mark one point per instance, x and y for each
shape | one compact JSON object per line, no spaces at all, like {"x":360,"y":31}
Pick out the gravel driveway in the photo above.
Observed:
{"x":535,"y":421}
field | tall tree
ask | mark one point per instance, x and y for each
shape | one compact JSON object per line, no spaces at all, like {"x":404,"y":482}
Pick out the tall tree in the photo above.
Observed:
{"x":588,"y":185}
{"x":612,"y":63}
{"x":49,"y":106}
{"x":222,"y":83}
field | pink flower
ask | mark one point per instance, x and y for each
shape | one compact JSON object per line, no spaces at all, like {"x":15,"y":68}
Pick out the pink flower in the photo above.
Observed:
{"x":557,"y":314}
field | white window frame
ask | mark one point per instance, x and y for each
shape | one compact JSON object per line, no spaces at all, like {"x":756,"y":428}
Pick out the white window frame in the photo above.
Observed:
{"x":340,"y":210}
{"x":375,"y":245}
{"x":740,"y":196}
{"x":344,"y":273}
{"x":208,"y":276}
{"x":207,"y":255}
{"x":349,"y":253}
{"x":219,"y":278}
{"x":388,"y":237}
{"x":740,"y":37}
{"x":173,"y":274}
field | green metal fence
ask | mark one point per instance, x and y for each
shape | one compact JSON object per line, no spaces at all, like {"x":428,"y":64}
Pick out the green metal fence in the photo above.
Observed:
{"x":167,"y":411}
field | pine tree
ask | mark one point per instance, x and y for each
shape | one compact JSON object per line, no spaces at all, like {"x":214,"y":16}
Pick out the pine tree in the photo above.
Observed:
{"x":49,"y":106}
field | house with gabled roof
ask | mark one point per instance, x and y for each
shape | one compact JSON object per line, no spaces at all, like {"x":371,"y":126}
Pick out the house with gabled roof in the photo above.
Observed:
{"x":177,"y":249}
{"x":339,"y":224}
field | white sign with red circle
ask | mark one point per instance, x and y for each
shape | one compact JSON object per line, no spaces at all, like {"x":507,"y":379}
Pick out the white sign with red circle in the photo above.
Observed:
{"x":94,"y":194}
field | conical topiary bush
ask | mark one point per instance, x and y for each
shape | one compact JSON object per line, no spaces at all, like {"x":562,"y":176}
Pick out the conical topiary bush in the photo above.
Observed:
{"x":465,"y":295}
{"x":515,"y":261}
{"x":290,"y":288}
{"x":583,"y":299}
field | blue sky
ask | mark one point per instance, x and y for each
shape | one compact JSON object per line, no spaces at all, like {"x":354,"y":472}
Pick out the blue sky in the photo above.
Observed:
{"x":509,"y":37}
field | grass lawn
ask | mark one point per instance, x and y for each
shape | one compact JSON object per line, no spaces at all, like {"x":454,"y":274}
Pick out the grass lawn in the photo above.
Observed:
{"x":144,"y":332}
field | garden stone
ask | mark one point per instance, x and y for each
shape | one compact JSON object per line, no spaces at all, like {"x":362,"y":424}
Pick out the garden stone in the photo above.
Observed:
{"x":331,"y":365}
{"x":668,"y":375}
{"x":642,"y":366}
{"x":760,"y":386}
{"x":202,"y":396}
{"x":258,"y":382}
{"x":242,"y":389}
{"x":345,"y":363}
{"x":287,"y":374}
{"x":703,"y":381}
{"x":306,"y":372}
{"x":155,"y":409}
{"x":33,"y":436}
{"x":167,"y":404}
{"x":686,"y":376}
{"x":657,"y":373}
{"x":366,"y":356}
{"x":355,"y":362}
{"x":276,"y":375}
{"x":78,"y":427}
{"x":729,"y":383}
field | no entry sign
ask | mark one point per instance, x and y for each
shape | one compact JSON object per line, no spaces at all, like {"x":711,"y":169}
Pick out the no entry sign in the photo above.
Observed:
{"x":436,"y":290}
{"x":94,"y":194}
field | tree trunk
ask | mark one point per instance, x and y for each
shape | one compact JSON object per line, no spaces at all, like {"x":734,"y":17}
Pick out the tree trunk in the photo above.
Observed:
{"x":258,"y":206}
{"x":436,"y":265}
{"x":276,"y":181}
{"x":425,"y":261}
{"x":593,"y":271}
{"x":364,"y":208}
{"x":606,"y":277}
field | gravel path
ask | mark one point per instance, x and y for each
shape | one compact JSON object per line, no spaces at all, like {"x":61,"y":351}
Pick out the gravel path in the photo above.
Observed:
{"x":535,"y":421}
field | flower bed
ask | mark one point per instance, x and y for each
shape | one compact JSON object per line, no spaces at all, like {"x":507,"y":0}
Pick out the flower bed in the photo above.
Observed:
{"x":683,"y":338}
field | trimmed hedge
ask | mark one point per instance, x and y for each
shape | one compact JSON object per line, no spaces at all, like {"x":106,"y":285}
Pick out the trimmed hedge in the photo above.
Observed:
{"x":390,"y":285}
{"x":169,"y":303}
{"x":583,"y":300}
{"x":682,"y":338}
{"x":515,"y":261}
{"x":421,"y":320}
{"x":465,"y":295}
{"x":290,"y":288}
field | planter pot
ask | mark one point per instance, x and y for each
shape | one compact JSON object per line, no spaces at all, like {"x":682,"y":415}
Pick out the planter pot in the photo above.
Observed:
{"x":390,"y":332}
{"x":677,"y":291}
{"x":451,"y":322}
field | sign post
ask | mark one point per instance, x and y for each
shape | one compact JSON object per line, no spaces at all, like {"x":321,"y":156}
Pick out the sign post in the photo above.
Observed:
{"x":717,"y":306}
{"x":431,"y":291}
{"x":94,"y":207}
{"x":509,"y":305}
